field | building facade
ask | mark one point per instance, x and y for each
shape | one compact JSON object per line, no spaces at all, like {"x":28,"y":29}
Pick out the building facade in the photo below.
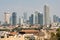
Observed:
{"x":40,"y":18}
{"x":55,"y":18}
{"x":46,"y":15}
{"x":59,"y":20}
{"x":35,"y":18}
{"x":14,"y":18}
{"x":31,"y":19}
{"x":25,"y":17}
{"x":22,"y":21}
{"x":7,"y":18}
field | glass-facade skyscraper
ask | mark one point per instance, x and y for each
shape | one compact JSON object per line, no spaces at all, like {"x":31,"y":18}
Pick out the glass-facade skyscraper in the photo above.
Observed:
{"x":35,"y":17}
{"x":31,"y":19}
{"x":25,"y":17}
{"x":59,"y":20}
{"x":55,"y":18}
{"x":19,"y":21}
{"x":14,"y":18}
{"x":40,"y":18}
{"x":0,"y":22}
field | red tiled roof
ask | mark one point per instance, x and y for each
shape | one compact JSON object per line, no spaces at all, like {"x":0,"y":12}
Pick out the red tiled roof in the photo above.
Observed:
{"x":29,"y":31}
{"x":13,"y":32}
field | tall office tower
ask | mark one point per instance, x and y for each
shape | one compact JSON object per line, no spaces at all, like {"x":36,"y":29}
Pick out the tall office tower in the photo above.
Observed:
{"x":59,"y":20}
{"x":10,"y":20}
{"x":19,"y":21}
{"x":31,"y":19}
{"x":55,"y":18}
{"x":22,"y":21}
{"x":0,"y":22}
{"x":25,"y":17}
{"x":14,"y":19}
{"x":46,"y":15}
{"x":7,"y":18}
{"x":35,"y":18}
{"x":40,"y":18}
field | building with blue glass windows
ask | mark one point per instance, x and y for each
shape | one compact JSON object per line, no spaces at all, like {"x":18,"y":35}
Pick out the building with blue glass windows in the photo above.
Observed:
{"x":31,"y":19}
{"x":55,"y":18}
{"x":40,"y":18}
{"x":14,"y":19}
{"x":36,"y":18}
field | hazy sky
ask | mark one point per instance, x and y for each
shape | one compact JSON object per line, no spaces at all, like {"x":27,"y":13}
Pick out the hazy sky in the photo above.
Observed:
{"x":29,"y":6}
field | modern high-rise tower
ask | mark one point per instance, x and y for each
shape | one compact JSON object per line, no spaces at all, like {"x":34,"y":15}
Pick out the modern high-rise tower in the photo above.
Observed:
{"x":55,"y":18}
{"x":40,"y":18}
{"x":46,"y":15}
{"x":31,"y":19}
{"x":14,"y":18}
{"x":7,"y":18}
{"x":59,"y":20}
{"x":35,"y":18}
{"x":22,"y":21}
{"x":0,"y":22}
{"x":10,"y":20}
{"x":25,"y":17}
{"x":19,"y":21}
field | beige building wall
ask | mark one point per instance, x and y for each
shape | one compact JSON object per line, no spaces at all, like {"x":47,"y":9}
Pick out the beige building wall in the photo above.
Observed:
{"x":7,"y":17}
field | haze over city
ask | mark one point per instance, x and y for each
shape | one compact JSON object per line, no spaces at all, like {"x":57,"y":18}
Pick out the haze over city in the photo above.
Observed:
{"x":29,"y":20}
{"x":28,"y":6}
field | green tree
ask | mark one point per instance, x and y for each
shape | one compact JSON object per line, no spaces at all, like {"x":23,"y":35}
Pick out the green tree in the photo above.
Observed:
{"x":58,"y":34}
{"x":53,"y":36}
{"x":17,"y":29}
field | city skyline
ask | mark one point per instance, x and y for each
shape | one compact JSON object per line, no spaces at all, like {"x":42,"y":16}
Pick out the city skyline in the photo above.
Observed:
{"x":29,"y":20}
{"x":21,"y":6}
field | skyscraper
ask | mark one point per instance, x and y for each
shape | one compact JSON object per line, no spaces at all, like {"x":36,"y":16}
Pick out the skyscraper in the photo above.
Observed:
{"x":25,"y":17}
{"x":40,"y":18}
{"x":59,"y":20}
{"x":10,"y":20}
{"x":35,"y":18}
{"x":55,"y":18}
{"x":19,"y":21}
{"x":46,"y":15}
{"x":22,"y":21}
{"x":14,"y":18}
{"x":31,"y":19}
{"x":7,"y":18}
{"x":0,"y":22}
